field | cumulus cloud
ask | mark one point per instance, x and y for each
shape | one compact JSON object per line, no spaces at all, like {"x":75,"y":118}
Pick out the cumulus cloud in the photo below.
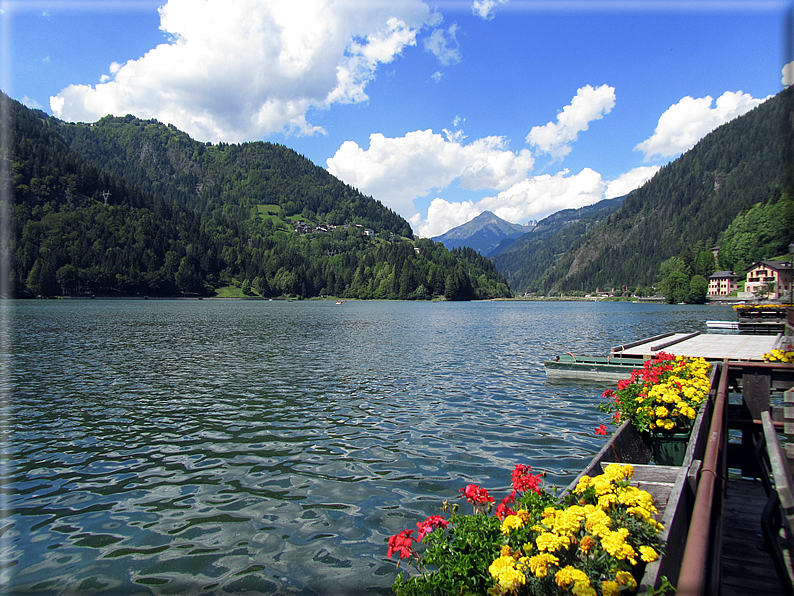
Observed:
{"x":398,"y":170}
{"x":444,"y":45}
{"x":788,"y":74}
{"x":241,"y":70}
{"x":625,"y":183}
{"x":443,"y":216}
{"x":683,"y":124}
{"x":589,"y":104}
{"x":485,"y":8}
{"x":530,"y":198}
{"x":31,"y":103}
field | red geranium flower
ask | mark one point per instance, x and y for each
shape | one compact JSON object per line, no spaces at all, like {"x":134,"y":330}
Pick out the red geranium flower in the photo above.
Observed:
{"x":601,"y":430}
{"x":504,"y":509}
{"x":524,"y":481}
{"x":430,"y":524}
{"x":401,"y":543}
{"x":476,"y":494}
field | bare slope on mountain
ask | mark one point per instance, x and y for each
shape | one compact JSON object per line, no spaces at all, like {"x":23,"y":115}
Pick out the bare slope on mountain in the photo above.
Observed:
{"x":693,"y":199}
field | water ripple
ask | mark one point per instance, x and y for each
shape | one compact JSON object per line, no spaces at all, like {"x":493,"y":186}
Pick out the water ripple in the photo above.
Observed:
{"x":160,"y":447}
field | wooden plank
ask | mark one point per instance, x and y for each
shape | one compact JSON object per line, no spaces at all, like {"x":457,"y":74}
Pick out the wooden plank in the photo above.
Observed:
{"x":746,"y":565}
{"x":756,"y":392}
{"x":788,"y":396}
{"x":780,"y":470}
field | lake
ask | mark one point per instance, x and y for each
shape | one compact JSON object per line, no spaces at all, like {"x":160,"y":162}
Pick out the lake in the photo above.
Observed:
{"x":230,"y":447}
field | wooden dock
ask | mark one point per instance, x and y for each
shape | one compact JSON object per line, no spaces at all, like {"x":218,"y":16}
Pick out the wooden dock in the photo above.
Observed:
{"x":705,"y":345}
{"x":625,"y":358}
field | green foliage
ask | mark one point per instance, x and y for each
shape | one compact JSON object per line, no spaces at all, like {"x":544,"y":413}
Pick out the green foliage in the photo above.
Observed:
{"x":144,"y":210}
{"x":762,"y":231}
{"x":675,"y":281}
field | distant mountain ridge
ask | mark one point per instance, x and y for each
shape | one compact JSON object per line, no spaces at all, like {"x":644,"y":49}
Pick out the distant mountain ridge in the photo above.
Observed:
{"x":485,"y":233}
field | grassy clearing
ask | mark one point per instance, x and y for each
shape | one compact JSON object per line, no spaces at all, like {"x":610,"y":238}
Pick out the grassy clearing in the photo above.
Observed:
{"x":229,"y":292}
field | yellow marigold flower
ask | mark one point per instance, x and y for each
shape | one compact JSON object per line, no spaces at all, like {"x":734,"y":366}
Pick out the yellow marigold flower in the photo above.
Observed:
{"x":504,"y":571}
{"x":582,"y":485}
{"x":510,"y":523}
{"x":582,"y":589}
{"x":615,"y":472}
{"x":524,"y":515}
{"x":568,"y":575}
{"x":552,"y":542}
{"x":625,"y":578}
{"x":615,"y":544}
{"x":598,"y":523}
{"x":648,"y":554}
{"x":665,"y":423}
{"x":586,"y":544}
{"x":606,"y":501}
{"x":640,"y":512}
{"x":610,"y":588}
{"x":662,"y":412}
{"x":505,"y":552}
{"x":539,"y":564}
{"x":602,"y":485}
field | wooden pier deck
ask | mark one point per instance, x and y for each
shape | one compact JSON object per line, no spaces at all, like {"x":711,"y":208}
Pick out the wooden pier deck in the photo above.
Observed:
{"x":746,"y":563}
{"x":711,"y":346}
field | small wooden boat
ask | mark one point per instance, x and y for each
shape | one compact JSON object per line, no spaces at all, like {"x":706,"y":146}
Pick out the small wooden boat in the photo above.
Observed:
{"x":592,"y":368}
{"x":722,"y":324}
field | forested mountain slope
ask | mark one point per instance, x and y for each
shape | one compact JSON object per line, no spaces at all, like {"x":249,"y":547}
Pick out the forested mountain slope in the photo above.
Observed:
{"x":151,"y":228}
{"x":692,"y":200}
{"x":232,"y":179}
{"x":524,"y":262}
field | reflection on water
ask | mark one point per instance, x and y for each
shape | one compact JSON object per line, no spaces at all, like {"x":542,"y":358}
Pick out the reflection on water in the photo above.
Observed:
{"x":212,"y":447}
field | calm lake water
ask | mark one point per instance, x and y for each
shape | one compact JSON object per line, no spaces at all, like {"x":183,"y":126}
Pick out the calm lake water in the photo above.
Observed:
{"x":224,"y":447}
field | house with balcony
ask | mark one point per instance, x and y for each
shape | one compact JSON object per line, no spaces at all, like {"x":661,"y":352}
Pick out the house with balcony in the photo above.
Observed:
{"x":723,"y":283}
{"x":772,"y":279}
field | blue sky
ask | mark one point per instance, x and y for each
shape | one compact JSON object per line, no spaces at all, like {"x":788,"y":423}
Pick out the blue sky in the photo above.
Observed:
{"x":439,"y":110}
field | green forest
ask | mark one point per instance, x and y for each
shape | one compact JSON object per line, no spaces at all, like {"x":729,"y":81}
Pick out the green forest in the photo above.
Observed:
{"x":130,"y":207}
{"x":733,"y":190}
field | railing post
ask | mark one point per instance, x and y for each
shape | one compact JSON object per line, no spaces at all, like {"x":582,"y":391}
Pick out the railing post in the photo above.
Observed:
{"x":691,"y":580}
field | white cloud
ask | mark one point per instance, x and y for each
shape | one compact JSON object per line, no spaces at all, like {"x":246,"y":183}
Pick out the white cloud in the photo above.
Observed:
{"x":788,"y":74}
{"x":442,"y":216}
{"x":589,"y":104}
{"x":437,"y":76}
{"x":485,"y":8}
{"x":237,"y":71}
{"x":627,"y":182}
{"x":683,"y":124}
{"x":398,"y":170}
{"x":531,"y":198}
{"x":444,"y":45}
{"x":31,"y":103}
